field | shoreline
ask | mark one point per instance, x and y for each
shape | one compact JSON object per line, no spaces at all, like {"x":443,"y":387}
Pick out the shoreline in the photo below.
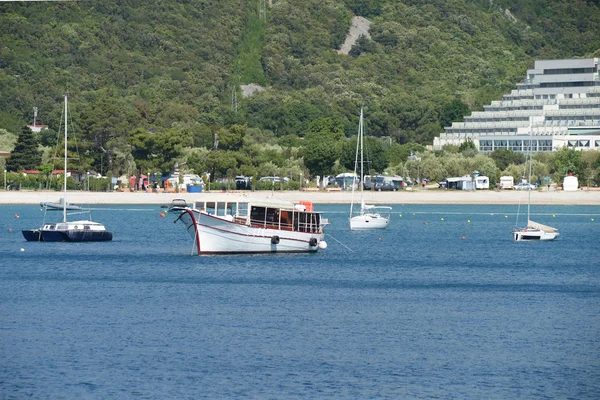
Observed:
{"x":422,"y":196}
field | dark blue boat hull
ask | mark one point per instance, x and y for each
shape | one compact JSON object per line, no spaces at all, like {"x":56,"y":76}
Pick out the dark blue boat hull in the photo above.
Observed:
{"x":40,"y":235}
{"x":76,"y":236}
{"x":32,"y":235}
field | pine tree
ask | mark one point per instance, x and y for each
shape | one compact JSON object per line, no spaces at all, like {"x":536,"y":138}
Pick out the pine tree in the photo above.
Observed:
{"x":26,"y":154}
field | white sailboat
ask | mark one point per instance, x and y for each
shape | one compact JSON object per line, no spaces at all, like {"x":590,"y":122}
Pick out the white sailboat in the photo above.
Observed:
{"x":68,"y":231}
{"x":369,"y":216}
{"x":533,"y":230}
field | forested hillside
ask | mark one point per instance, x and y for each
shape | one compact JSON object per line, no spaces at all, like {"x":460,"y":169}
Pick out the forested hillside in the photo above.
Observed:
{"x":154,"y":83}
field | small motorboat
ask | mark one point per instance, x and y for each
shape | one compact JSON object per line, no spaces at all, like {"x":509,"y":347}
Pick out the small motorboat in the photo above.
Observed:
{"x":59,"y":205}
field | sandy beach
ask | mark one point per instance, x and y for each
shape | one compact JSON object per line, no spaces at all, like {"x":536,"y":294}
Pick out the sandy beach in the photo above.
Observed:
{"x":422,"y":196}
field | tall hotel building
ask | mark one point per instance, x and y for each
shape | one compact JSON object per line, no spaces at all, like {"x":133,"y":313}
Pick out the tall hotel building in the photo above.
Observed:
{"x":562,"y":99}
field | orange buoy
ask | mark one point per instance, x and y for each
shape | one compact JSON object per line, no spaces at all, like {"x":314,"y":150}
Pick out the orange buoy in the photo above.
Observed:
{"x":426,"y":223}
{"x":10,"y":229}
{"x":464,"y":237}
{"x":16,"y":215}
{"x":162,"y":215}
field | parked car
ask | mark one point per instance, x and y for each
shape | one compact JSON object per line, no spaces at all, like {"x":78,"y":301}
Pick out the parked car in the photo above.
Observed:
{"x":525,"y":186}
{"x":382,"y":183}
{"x":275,"y":179}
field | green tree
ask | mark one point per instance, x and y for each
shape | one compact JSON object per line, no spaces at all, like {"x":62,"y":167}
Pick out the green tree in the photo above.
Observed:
{"x":219,"y":162}
{"x":453,"y":111}
{"x":169,"y":146}
{"x":142,"y":144}
{"x":232,"y":138}
{"x":362,"y":45}
{"x":504,"y":157}
{"x":45,"y":171}
{"x":26,"y":154}
{"x":467,"y":145}
{"x":399,"y":153}
{"x":105,"y":119}
{"x":322,"y":145}
{"x":374,"y":155}
{"x":432,"y":168}
{"x":568,"y":161}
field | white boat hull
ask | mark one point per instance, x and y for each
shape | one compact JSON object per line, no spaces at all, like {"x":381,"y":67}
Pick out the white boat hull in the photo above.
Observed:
{"x":220,"y":235}
{"x":523,"y":235}
{"x":368,"y":221}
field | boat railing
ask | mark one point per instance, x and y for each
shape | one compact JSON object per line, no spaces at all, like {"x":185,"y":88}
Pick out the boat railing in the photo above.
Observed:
{"x":306,"y":227}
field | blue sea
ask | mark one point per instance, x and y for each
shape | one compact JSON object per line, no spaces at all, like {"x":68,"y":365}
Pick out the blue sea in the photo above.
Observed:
{"x":443,"y":305}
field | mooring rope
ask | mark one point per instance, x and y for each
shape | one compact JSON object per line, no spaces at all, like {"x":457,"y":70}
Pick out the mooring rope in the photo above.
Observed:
{"x":352,"y":251}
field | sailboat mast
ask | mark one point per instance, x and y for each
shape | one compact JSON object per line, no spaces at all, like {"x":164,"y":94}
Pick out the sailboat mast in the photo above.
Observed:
{"x":362,"y":174}
{"x":530,"y":166}
{"x":356,"y":163}
{"x":65,"y":171}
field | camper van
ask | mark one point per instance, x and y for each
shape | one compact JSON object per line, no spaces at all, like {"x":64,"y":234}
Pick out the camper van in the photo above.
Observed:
{"x":507,"y":182}
{"x":482,"y":182}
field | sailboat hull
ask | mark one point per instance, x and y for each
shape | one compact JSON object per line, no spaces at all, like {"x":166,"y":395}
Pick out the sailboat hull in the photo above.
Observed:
{"x":40,"y":235}
{"x":368,"y":221}
{"x":32,"y":235}
{"x":528,"y":235}
{"x":76,"y":236}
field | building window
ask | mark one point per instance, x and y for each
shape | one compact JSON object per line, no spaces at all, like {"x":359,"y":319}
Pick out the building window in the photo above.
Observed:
{"x":500,"y":144}
{"x":515,"y":145}
{"x":544,"y":145}
{"x":563,"y":71}
{"x":485,"y":145}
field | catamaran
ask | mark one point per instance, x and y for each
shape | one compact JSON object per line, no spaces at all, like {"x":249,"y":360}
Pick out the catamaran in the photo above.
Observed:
{"x":68,"y":231}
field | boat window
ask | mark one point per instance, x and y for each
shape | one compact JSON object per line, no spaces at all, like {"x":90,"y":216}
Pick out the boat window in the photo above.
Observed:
{"x":221,"y":208}
{"x":272,"y":216}
{"x":86,"y":227}
{"x":231,"y":209}
{"x":242,"y":209}
{"x":199,"y":205}
{"x":306,"y":222}
{"x":300,"y":222}
{"x":286,"y":221}
{"x":211,"y":207}
{"x":258,"y":215}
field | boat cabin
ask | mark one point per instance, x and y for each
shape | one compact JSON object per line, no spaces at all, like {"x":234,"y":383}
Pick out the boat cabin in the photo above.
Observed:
{"x":265,"y":214}
{"x":75,"y":225}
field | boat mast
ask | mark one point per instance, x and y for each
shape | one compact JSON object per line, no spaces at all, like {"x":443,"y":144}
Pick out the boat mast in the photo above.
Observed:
{"x":530,"y":166}
{"x":356,"y":162}
{"x":362,"y":173}
{"x":65,"y":171}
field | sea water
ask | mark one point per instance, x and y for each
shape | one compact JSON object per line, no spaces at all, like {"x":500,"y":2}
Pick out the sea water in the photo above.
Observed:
{"x":442,"y":304}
